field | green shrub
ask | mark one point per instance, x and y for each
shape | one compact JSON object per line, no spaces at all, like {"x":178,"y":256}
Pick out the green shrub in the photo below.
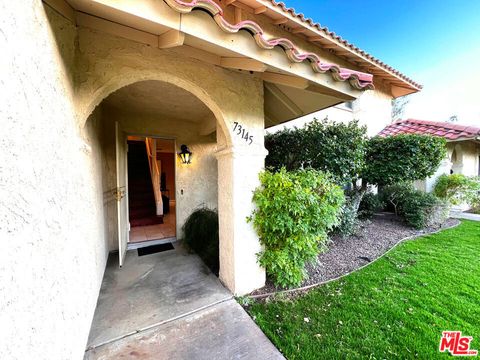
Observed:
{"x":421,"y":210}
{"x":402,"y":158}
{"x":201,"y":235}
{"x":313,"y":146}
{"x":393,"y":196}
{"x":348,"y":222}
{"x":370,"y":204}
{"x":458,"y":188}
{"x":417,"y":208}
{"x":295,"y":210}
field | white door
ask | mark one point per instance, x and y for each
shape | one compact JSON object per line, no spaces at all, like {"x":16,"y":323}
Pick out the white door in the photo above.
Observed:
{"x":121,"y":191}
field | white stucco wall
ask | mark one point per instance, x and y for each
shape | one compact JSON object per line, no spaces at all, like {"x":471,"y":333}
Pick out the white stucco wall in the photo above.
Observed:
{"x":466,"y":163}
{"x":51,"y":224}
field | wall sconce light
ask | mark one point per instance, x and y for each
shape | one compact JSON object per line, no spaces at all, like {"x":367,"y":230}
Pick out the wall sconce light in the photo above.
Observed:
{"x":185,"y":154}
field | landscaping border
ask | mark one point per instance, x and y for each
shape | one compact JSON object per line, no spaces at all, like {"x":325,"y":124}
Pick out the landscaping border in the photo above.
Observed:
{"x":308,"y":287}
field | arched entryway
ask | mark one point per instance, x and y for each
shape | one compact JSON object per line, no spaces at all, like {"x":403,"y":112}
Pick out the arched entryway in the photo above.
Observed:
{"x":232,"y":98}
{"x":160,"y":117}
{"x":153,"y":119}
{"x":457,"y":160}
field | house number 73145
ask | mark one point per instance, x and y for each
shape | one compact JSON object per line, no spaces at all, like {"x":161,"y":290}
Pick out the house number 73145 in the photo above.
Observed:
{"x":239,"y":130}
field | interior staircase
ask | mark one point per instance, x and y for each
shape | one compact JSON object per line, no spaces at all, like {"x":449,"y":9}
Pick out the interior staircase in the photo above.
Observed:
{"x":142,"y":209}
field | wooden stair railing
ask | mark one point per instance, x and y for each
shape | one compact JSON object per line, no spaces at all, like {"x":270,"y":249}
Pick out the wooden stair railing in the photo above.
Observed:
{"x":151,"y":145}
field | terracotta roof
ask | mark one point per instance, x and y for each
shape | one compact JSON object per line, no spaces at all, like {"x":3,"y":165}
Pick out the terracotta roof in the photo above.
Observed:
{"x":358,"y":80}
{"x":337,"y":38}
{"x":447,"y":130}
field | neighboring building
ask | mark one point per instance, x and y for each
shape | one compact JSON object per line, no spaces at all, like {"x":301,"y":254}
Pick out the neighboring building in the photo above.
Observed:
{"x":80,"y":78}
{"x":463,"y":146}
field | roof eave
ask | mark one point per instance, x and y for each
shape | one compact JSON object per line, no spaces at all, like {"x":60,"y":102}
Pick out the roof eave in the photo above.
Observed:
{"x":373,"y":65}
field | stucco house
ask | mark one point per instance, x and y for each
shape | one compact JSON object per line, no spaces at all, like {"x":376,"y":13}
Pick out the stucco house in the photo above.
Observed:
{"x":463,"y":146}
{"x":83,"y":80}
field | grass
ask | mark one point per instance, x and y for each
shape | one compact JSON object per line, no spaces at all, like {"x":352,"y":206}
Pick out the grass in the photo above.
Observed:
{"x":396,"y":308}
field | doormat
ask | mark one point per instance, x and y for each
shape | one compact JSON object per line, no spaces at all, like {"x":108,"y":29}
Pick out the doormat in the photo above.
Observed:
{"x":155,"y":249}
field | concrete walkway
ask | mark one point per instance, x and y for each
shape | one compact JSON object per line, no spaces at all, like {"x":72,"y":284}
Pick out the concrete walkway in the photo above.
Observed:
{"x":170,"y":306}
{"x":464,"y":215}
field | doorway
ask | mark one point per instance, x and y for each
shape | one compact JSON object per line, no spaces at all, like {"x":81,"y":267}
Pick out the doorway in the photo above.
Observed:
{"x":151,"y":191}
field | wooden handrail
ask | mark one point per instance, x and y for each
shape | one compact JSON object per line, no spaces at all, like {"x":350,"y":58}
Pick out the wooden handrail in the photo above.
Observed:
{"x":154,"y":173}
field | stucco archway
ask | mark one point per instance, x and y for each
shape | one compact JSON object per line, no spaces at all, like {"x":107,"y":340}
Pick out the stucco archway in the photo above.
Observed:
{"x":232,"y":97}
{"x":118,"y":82}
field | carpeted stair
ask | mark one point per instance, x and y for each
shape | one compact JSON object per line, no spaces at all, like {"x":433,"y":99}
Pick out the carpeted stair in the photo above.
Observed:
{"x":142,"y":210}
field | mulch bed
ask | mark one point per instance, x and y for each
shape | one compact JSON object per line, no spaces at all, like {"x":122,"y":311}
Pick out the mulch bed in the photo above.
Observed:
{"x":344,"y":255}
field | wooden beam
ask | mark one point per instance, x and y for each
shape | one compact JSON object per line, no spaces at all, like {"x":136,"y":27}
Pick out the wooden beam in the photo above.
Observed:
{"x":316,"y":38}
{"x":238,"y":15}
{"x":284,"y":99}
{"x":63,"y":8}
{"x":171,"y":38}
{"x":330,"y":46}
{"x":112,"y":28}
{"x":280,"y":21}
{"x":198,"y":54}
{"x":328,"y":92}
{"x":299,"y":30}
{"x":243,"y":64}
{"x":287,"y":80}
{"x":260,"y":10}
{"x":229,"y":2}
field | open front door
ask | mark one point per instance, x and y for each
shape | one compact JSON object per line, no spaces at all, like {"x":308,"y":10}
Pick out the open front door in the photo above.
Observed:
{"x":121,"y":191}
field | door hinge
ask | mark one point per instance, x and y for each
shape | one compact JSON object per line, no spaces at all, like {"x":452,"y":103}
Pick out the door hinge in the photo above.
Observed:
{"x":118,"y":193}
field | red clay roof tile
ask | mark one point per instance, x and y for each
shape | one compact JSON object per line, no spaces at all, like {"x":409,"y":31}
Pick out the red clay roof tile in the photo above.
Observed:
{"x":447,"y":130}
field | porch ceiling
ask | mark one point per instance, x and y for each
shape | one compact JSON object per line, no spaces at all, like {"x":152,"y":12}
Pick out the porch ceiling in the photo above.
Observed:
{"x":159,"y":99}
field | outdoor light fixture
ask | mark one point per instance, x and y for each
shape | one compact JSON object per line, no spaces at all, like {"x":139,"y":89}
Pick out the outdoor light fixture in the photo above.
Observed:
{"x":185,"y":154}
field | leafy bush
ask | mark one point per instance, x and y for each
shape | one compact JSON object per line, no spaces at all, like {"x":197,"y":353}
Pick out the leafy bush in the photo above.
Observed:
{"x":201,"y":235}
{"x":348,"y":223}
{"x":458,"y":188}
{"x":422,"y":209}
{"x":394,"y":195}
{"x":286,"y":149}
{"x":419,"y":209}
{"x":345,"y":151}
{"x":370,"y":204}
{"x":402,"y":158}
{"x":295,"y":210}
{"x":314,"y":145}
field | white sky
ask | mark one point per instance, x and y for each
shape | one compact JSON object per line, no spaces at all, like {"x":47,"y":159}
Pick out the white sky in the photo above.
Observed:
{"x":451,"y":87}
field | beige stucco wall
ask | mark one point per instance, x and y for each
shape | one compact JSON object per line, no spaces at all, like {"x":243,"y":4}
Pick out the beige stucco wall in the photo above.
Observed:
{"x":374,"y":109}
{"x":467,"y":163}
{"x":51,"y":222}
{"x":56,"y":206}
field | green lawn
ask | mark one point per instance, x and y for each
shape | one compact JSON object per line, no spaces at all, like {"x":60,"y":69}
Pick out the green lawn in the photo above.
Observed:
{"x":395,"y":308}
